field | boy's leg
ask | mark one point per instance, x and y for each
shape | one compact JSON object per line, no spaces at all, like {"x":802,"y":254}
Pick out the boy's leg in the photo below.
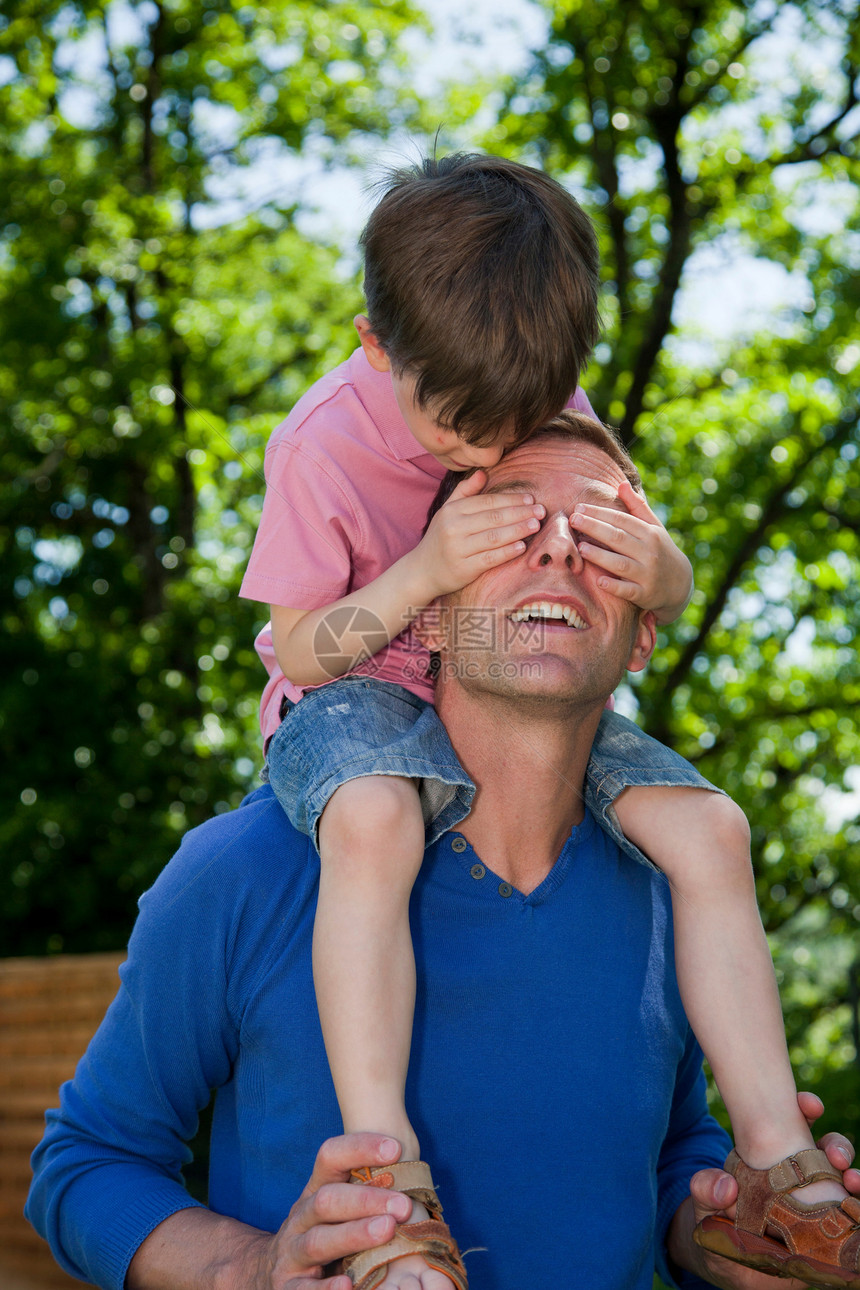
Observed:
{"x":700,"y":840}
{"x":371,"y":842}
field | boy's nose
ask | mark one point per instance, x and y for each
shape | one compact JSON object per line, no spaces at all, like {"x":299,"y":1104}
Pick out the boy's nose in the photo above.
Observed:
{"x":486,"y":457}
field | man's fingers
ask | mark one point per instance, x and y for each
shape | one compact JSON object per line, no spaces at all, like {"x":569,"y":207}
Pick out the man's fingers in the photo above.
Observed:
{"x":811,"y":1106}
{"x":325,"y":1243}
{"x":338,"y":1156}
{"x":838,"y":1149}
{"x":840,"y":1153}
{"x":346,"y":1202}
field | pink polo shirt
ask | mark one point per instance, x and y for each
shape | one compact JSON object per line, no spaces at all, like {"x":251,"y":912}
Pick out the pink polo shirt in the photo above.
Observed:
{"x":347,"y":494}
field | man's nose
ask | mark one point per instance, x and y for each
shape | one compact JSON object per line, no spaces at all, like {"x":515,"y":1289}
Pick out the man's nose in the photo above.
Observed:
{"x":554,"y":544}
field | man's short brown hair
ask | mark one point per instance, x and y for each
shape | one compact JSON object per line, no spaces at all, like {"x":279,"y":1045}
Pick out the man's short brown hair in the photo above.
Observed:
{"x":576,"y":427}
{"x":481,"y":279}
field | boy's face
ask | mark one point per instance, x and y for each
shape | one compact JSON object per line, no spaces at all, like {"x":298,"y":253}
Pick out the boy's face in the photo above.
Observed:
{"x":445,"y":445}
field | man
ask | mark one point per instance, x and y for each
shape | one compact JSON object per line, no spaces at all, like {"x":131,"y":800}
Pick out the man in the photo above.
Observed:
{"x":553,"y":1079}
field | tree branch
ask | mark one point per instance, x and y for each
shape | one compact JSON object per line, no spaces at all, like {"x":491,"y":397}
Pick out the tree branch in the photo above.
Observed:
{"x":603,"y":156}
{"x":749,"y":544}
{"x":672,"y":268}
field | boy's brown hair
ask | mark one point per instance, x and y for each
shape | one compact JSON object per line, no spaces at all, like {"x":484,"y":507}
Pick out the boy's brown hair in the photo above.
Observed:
{"x":481,"y":279}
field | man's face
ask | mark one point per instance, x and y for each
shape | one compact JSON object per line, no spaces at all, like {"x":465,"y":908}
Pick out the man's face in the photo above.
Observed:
{"x":540,"y":626}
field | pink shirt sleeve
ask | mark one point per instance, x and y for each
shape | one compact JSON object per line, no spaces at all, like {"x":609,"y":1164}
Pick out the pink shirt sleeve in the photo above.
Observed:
{"x":579,"y":402}
{"x":303,"y":552}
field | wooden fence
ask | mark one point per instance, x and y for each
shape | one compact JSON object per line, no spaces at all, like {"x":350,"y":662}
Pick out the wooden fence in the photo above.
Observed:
{"x":49,"y":1010}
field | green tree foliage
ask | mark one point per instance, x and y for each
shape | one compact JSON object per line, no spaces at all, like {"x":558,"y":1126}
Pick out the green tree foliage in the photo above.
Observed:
{"x":150,"y":339}
{"x":148,"y":344}
{"x":712,"y":125}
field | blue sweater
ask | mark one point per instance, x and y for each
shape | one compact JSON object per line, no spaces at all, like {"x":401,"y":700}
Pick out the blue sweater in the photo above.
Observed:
{"x":554,"y":1083}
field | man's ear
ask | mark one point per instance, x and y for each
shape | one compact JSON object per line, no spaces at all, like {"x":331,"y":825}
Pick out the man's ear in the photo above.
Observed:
{"x":432,"y":626}
{"x":643,"y":642}
{"x":376,"y":355}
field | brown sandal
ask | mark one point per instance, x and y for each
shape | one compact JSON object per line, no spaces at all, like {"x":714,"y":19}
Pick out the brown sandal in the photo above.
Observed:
{"x":430,"y":1238}
{"x":817,"y":1243}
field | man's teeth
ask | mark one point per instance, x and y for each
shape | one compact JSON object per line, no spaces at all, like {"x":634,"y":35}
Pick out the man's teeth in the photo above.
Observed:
{"x":548,"y":609}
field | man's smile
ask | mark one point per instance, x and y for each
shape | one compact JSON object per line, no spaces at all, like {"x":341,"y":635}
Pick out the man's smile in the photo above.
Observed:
{"x":552,"y":609}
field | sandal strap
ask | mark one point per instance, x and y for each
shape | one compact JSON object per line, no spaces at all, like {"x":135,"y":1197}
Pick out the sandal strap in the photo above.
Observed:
{"x":803,"y":1167}
{"x":809,"y":1165}
{"x":431,"y":1239}
{"x":761,"y":1189}
{"x":412,"y":1177}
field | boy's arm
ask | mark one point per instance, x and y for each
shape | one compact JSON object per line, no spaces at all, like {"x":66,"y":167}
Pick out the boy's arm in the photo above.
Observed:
{"x":641,"y":561}
{"x":469,"y":534}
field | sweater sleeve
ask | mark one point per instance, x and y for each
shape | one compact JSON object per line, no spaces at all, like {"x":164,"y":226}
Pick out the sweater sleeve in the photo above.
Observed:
{"x":693,"y":1141}
{"x":108,"y":1169}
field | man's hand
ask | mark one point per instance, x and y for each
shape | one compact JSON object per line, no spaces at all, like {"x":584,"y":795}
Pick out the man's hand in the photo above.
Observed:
{"x":333,"y":1218}
{"x":196,"y":1249}
{"x":645,"y":565}
{"x":473,"y":532}
{"x":712,"y":1191}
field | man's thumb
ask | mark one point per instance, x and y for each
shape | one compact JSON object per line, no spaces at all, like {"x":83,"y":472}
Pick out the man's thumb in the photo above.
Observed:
{"x":712,"y":1190}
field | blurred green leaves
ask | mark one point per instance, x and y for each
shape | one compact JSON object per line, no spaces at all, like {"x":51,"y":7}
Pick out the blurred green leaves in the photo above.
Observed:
{"x":151,"y":336}
{"x":161,"y":312}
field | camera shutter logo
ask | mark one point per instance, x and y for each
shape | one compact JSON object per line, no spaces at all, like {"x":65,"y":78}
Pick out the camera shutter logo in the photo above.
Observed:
{"x":349,"y":632}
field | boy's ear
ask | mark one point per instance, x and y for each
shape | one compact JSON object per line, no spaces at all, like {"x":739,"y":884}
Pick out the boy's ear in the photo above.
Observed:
{"x":431,"y":626}
{"x":643,"y":642}
{"x":376,"y":355}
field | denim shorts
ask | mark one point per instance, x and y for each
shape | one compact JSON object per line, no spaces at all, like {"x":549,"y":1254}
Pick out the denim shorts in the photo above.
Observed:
{"x":359,"y":726}
{"x":623,"y":756}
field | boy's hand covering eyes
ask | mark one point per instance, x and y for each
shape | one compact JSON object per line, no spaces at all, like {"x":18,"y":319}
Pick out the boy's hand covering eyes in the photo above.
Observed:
{"x":473,"y":532}
{"x":633,"y":547}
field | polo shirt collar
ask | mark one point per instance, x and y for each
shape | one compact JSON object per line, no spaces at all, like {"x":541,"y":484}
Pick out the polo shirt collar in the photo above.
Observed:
{"x":376,"y":392}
